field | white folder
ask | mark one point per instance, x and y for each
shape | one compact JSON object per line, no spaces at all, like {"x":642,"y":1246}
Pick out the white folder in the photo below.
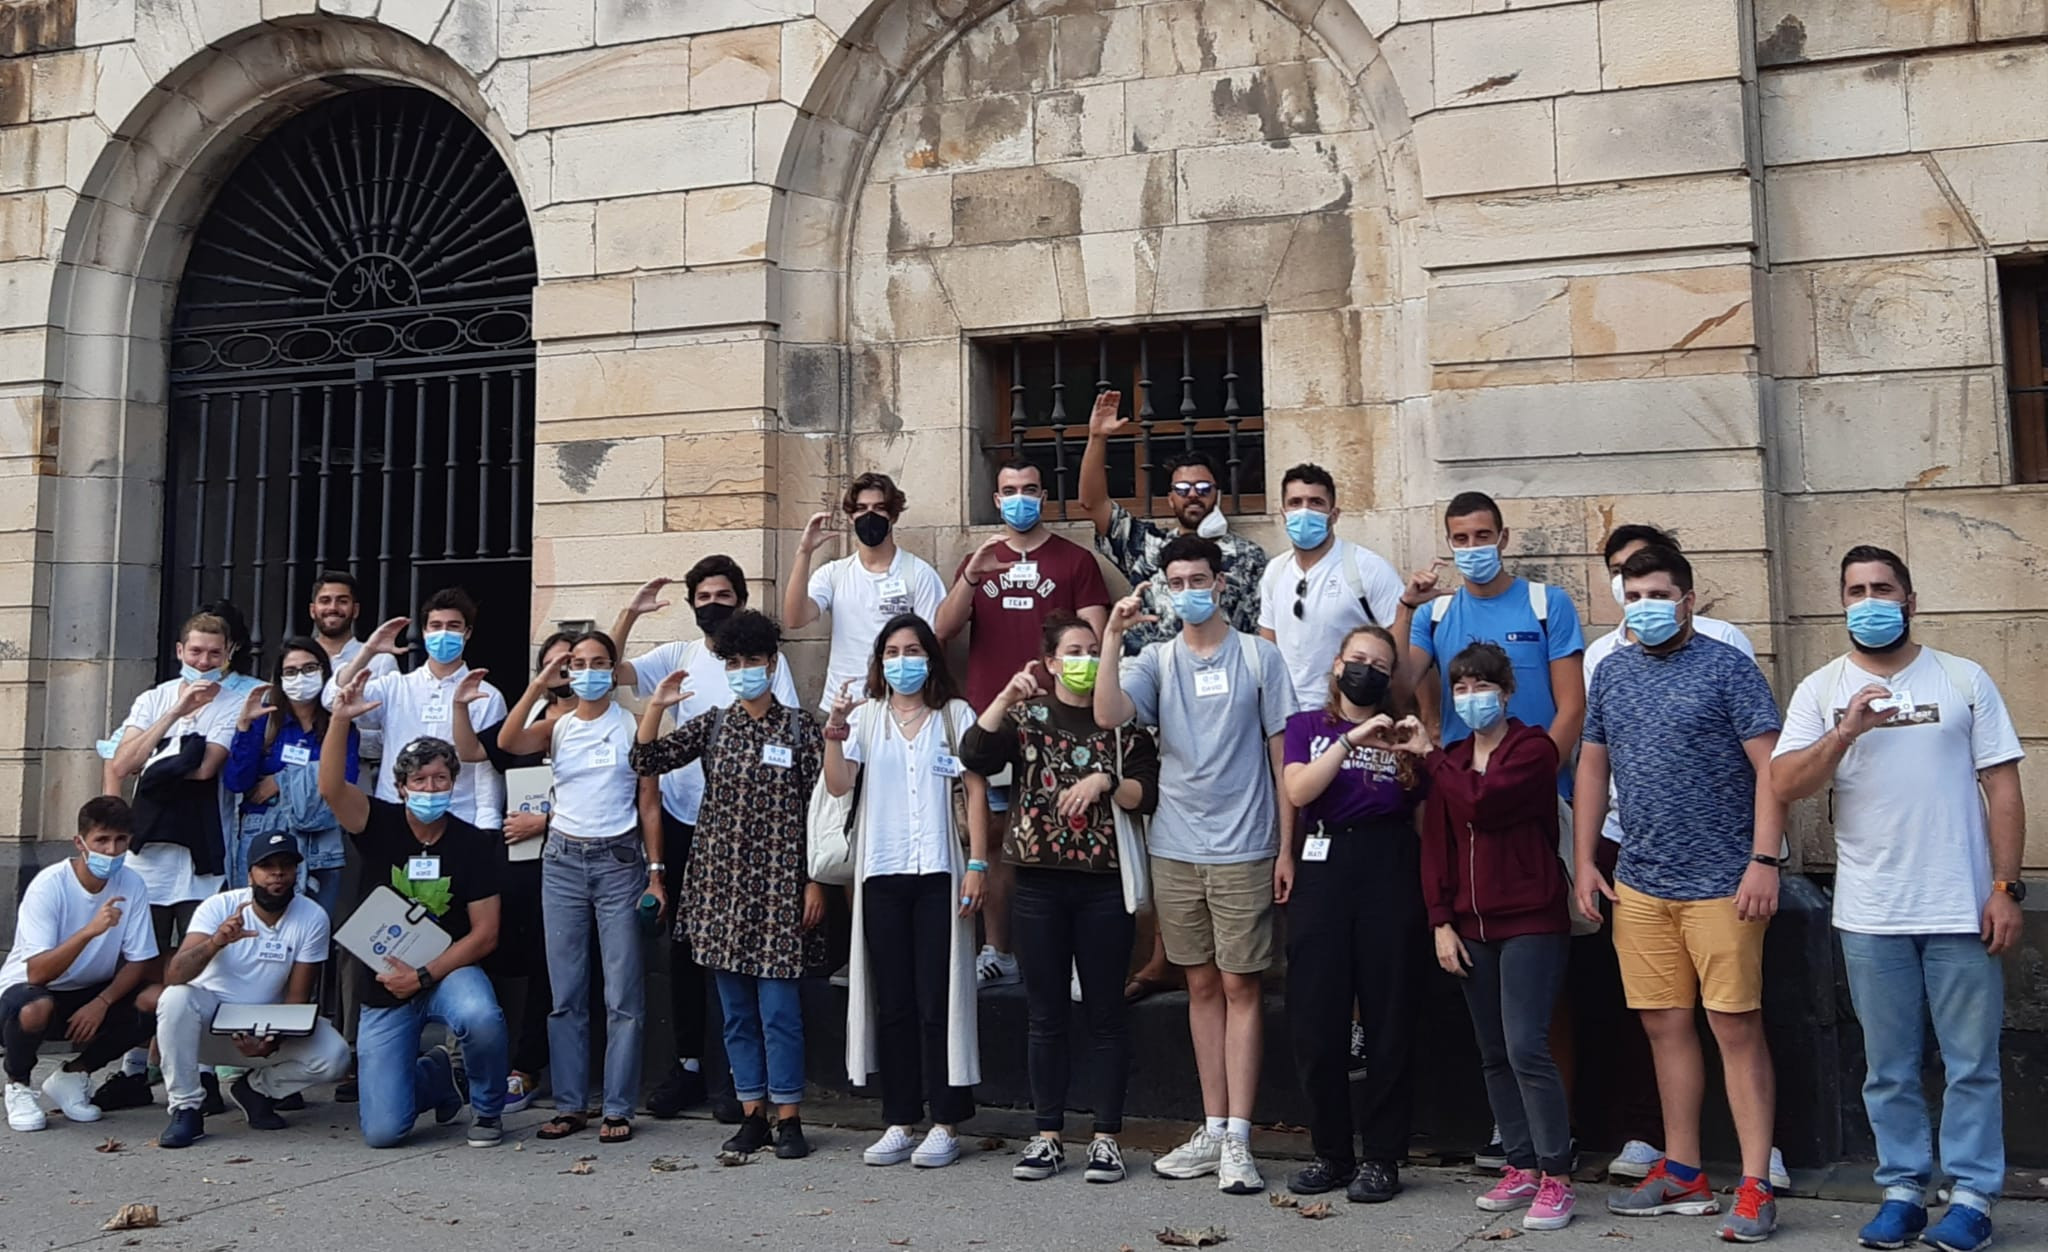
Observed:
{"x":389,"y":925}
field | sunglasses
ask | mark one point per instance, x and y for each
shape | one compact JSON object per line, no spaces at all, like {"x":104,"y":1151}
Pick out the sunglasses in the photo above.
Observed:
{"x":1300,"y":595}
{"x":1204,"y":490}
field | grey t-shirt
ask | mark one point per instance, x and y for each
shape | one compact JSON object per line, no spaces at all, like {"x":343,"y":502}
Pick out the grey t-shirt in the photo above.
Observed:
{"x":1214,"y":714}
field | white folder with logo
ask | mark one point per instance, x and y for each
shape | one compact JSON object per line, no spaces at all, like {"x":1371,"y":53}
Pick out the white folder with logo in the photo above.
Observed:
{"x":390,"y":926}
{"x":264,"y":1020}
{"x":528,"y":789}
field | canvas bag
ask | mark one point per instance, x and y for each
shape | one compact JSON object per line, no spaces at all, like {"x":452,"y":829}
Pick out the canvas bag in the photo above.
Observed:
{"x":829,"y":831}
{"x":1131,"y":855}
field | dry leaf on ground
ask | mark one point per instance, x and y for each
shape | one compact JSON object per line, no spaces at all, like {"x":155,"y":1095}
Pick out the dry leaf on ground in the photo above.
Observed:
{"x":581,"y":1167}
{"x":734,"y":1158}
{"x":990,"y":1144}
{"x":1505,"y":1232}
{"x":1317,"y":1211}
{"x":111,"y":1145}
{"x":1281,"y":1200}
{"x":133,"y":1217}
{"x":1207,"y":1236}
{"x":236,"y":1160}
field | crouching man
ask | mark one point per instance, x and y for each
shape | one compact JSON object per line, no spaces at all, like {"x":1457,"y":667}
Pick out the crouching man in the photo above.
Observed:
{"x":260,"y":944}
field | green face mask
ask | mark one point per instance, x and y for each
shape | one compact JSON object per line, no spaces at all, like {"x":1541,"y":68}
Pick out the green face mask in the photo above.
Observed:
{"x":1078,"y":673}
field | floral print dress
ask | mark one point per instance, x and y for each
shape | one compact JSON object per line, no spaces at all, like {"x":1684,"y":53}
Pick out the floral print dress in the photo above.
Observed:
{"x":1053,"y":746}
{"x":741,"y":902}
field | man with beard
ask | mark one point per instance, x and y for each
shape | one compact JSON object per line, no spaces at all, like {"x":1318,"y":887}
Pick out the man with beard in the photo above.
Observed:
{"x":261,"y":944}
{"x":1929,"y":832}
{"x":333,"y":609}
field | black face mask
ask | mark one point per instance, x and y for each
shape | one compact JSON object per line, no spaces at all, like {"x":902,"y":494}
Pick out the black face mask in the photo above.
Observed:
{"x":711,"y":616}
{"x":562,"y":692}
{"x":1362,"y":684}
{"x":871,"y":529}
{"x":270,"y":903}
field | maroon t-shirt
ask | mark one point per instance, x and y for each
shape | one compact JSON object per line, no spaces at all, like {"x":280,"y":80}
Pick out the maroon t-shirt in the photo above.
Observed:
{"x":1010,"y":610}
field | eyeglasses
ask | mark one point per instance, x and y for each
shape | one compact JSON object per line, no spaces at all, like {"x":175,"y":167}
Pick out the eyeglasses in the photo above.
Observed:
{"x":1204,"y":490}
{"x":301,"y":671}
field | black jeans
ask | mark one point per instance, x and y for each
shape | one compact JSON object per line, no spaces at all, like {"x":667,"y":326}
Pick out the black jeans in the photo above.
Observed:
{"x":1355,"y":932}
{"x":1061,"y":919}
{"x":907,"y":920}
{"x":522,"y":954}
{"x":121,"y":1029}
{"x":1615,"y":1093}
{"x":685,"y":976}
{"x":1512,"y":993}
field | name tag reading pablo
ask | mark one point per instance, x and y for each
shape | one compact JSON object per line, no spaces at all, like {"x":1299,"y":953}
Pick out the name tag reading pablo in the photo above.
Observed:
{"x":1212,"y":682}
{"x":422,"y":868}
{"x":604,"y":756}
{"x":1316,"y":848}
{"x":272,"y":949}
{"x":778,"y":755}
{"x":296,"y":754}
{"x":946,"y":765}
{"x":436,"y":710}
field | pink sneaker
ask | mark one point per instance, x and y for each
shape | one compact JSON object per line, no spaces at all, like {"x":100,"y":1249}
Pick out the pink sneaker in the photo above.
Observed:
{"x":1552,"y":1209}
{"x":1516,"y":1188}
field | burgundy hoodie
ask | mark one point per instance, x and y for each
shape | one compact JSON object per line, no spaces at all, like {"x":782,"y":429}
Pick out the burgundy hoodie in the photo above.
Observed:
{"x":1489,"y":841}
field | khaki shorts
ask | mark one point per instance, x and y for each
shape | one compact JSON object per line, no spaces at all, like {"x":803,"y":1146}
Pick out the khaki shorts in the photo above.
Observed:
{"x":1221,"y":914}
{"x":1678,"y":953}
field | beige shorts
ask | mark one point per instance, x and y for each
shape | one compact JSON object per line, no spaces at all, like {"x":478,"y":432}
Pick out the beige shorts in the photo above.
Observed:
{"x":1678,"y":953}
{"x":1220,"y":914}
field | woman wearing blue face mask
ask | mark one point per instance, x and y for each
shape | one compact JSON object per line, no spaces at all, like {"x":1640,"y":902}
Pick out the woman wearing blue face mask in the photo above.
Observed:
{"x":910,"y":1009}
{"x":749,"y":910}
{"x":593,"y":875}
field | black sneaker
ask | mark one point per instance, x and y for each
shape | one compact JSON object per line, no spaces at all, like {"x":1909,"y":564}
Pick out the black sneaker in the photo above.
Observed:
{"x":1105,"y":1161}
{"x":260,"y":1109}
{"x":1042,"y":1159}
{"x":752,"y":1136}
{"x":123,"y":1091}
{"x":188,"y":1126}
{"x":790,"y":1144}
{"x":1358,"y":1058}
{"x":682,"y":1089}
{"x":212,"y":1105}
{"x":727,"y":1110}
{"x":293,"y":1103}
{"x":449,"y":1109}
{"x":1495,"y":1154}
{"x":1320,"y":1175}
{"x":345,"y":1091}
{"x":1377,"y":1183}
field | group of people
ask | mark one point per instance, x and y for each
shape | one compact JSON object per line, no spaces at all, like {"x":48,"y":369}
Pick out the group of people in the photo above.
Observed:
{"x":1400,"y":767}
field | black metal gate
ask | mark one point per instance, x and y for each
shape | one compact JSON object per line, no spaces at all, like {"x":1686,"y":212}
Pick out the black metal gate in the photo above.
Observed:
{"x":352,"y":376}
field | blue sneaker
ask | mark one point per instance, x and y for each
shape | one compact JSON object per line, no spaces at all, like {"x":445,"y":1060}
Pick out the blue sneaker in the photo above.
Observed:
{"x":188,"y":1126}
{"x":1898,"y":1223}
{"x":1961,"y":1229}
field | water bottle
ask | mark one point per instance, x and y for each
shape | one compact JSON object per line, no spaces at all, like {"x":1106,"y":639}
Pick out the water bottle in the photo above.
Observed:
{"x":650,"y":911}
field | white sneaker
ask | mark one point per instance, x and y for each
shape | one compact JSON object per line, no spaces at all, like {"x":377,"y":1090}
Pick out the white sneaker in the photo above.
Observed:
{"x":72,"y":1094}
{"x":842,"y":977}
{"x":1238,"y":1174}
{"x":939,"y":1149}
{"x":995,"y":969}
{"x":1780,"y":1180}
{"x":1201,"y":1154}
{"x":24,"y":1111}
{"x":1637,"y":1159}
{"x":1074,"y":986}
{"x":893,"y":1148}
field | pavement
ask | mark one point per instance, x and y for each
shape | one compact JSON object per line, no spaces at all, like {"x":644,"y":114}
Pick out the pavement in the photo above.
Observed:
{"x":315,"y":1185}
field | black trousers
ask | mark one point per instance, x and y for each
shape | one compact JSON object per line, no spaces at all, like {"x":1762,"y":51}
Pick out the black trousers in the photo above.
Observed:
{"x":522,"y":954}
{"x":685,"y":976}
{"x":1614,"y":1083}
{"x":1356,"y":931}
{"x":1060,"y":920}
{"x":121,"y":1029}
{"x":907,"y":920}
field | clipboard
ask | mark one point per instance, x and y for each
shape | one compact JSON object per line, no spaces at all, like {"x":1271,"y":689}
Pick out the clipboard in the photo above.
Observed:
{"x":528,"y":789}
{"x":289,"y":1021}
{"x":388,"y":925}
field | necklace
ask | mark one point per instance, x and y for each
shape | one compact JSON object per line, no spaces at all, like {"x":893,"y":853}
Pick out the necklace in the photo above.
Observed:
{"x":903,"y":721}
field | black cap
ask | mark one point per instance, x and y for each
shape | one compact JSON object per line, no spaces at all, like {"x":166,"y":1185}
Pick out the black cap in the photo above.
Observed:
{"x":275,"y":845}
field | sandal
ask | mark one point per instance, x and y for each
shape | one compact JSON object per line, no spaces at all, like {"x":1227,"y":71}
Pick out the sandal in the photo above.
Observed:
{"x":614,"y":1130}
{"x":562,"y":1125}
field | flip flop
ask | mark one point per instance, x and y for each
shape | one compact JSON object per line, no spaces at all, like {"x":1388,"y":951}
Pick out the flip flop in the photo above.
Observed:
{"x":562,"y":1125}
{"x":614,"y":1130}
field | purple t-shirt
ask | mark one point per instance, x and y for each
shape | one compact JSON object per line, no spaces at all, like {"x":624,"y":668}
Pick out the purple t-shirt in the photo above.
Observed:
{"x":1367,"y":786}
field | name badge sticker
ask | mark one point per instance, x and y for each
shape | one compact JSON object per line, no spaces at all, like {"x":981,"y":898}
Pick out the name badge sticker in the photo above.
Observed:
{"x":778,"y":755}
{"x":422,"y":868}
{"x":1525,"y":636}
{"x":1019,"y":602}
{"x":1023,"y":573}
{"x":1316,"y":848}
{"x":604,"y":756}
{"x":272,"y":949}
{"x":946,"y":765}
{"x":435,"y":711}
{"x":295,"y":754}
{"x":1212,"y":682}
{"x":894,"y":591}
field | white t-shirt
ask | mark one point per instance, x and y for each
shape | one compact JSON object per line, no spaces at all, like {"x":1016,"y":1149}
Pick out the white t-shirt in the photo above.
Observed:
{"x":257,"y":970}
{"x":682,"y":790}
{"x":1912,"y":847}
{"x":1712,"y":628}
{"x":57,"y":906}
{"x":862,"y":603}
{"x":1329,"y":610}
{"x":416,"y":704}
{"x":167,"y":867}
{"x":909,"y":820}
{"x":596,"y":791}
{"x":370,"y":743}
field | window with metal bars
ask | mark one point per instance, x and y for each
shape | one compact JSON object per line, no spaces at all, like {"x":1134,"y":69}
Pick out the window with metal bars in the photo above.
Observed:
{"x":1186,"y":386}
{"x":2023,"y":287}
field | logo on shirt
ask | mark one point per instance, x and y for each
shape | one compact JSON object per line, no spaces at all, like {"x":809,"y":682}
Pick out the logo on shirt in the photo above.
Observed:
{"x":437,"y":894}
{"x":1525,"y":636}
{"x":994,"y":587}
{"x":1922,"y":715}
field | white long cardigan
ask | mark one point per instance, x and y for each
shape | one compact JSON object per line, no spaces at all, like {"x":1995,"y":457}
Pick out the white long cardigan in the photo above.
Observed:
{"x":963,"y":1038}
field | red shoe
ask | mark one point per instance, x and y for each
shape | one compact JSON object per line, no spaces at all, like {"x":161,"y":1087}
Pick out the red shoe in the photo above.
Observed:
{"x":1661,"y":1192}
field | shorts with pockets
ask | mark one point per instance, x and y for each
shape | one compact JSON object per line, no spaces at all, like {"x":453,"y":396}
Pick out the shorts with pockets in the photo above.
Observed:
{"x":1215,"y":913}
{"x":1678,"y":953}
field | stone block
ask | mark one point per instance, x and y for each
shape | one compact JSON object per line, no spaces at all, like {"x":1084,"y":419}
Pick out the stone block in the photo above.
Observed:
{"x":1648,"y":133}
{"x":806,"y":46}
{"x":469,"y":34}
{"x":1312,"y":360}
{"x":736,"y":67}
{"x":533,"y":27}
{"x":1872,"y":208}
{"x":1005,"y":284}
{"x":581,"y":576}
{"x":1082,"y":123}
{"x":1500,"y":321}
{"x":1893,"y":432}
{"x":33,"y":156}
{"x":590,"y":470}
{"x":1307,"y":175}
{"x":1097,"y":46}
{"x":418,"y":18}
{"x":2003,"y":188}
{"x":810,"y":306}
{"x":564,"y":240}
{"x":1981,"y":97}
{"x":1663,"y":310}
{"x":1671,"y":214}
{"x":608,"y":84}
{"x":626,"y":21}
{"x":1410,"y":53}
{"x":566,"y":519}
{"x":955,"y":136}
{"x":934,"y":463}
{"x":641,"y":232}
{"x":729,"y":463}
{"x":611,"y":159}
{"x":721,"y":374}
{"x":1218,"y":266}
{"x":2011,"y":19}
{"x":774,"y":123}
{"x":1831,"y":112}
{"x":1790,"y":30}
{"x":1647,"y":42}
{"x":1360,"y":446}
{"x":1707,"y":413}
{"x":64,"y":84}
{"x":1335,"y":259}
{"x":1068,"y":198}
{"x":1240,"y":106}
{"x":724,"y":224}
{"x":1931,"y":313}
{"x":507,"y":89}
{"x":571,"y":310}
{"x":1790,"y":342}
{"x":1004,"y":54}
{"x":903,"y":299}
{"x":720,"y":295}
{"x":1519,"y":55}
{"x":1493,"y":147}
{"x":1192,"y":38}
{"x":1978,"y":551}
{"x":1119,"y":273}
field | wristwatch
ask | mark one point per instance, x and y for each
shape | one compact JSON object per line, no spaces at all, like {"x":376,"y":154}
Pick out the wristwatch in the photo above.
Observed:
{"x":426,"y":976}
{"x":2013,"y":887}
{"x":1775,"y":862}
{"x":657,"y":867}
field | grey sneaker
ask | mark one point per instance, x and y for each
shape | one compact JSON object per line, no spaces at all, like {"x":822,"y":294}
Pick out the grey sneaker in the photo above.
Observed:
{"x":1660,"y":1193}
{"x":486,"y":1132}
{"x":1755,"y":1215}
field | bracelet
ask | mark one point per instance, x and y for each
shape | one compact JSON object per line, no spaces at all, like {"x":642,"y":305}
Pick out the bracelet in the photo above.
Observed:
{"x":977,"y":867}
{"x":837,"y":734}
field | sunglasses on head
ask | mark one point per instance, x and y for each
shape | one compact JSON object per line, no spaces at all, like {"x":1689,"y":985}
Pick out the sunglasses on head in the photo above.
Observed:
{"x":1204,"y":490}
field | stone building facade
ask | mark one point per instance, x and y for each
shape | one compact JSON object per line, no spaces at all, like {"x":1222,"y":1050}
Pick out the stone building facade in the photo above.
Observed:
{"x":1744,"y":268}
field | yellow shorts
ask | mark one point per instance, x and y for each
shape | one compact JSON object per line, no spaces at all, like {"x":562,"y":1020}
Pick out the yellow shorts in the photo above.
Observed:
{"x":1678,"y":953}
{"x":1215,"y":913}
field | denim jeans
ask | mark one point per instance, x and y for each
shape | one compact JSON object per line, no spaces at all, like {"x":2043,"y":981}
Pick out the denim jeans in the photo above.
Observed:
{"x":764,"y":1036}
{"x":1063,"y":920}
{"x":586,"y":886}
{"x":1896,"y":982}
{"x":396,"y":1084}
{"x":1511,"y":993}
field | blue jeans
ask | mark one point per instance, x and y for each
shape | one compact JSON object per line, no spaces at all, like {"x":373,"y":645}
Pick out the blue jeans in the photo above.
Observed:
{"x":764,"y":1036}
{"x":396,"y":1084}
{"x":1896,"y":981}
{"x":595,"y":885}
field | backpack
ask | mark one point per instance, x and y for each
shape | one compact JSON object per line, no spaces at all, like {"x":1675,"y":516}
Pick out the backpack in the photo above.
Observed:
{"x":1347,"y":565}
{"x":1539,"y":604}
{"x":1952,"y":668}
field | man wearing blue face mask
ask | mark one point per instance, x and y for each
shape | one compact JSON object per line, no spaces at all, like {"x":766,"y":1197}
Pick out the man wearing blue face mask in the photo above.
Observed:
{"x":417,"y":847}
{"x":1930,"y":828}
{"x":1325,"y":588}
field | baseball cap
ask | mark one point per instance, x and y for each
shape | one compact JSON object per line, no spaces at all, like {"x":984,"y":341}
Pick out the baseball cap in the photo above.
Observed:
{"x":280,"y":844}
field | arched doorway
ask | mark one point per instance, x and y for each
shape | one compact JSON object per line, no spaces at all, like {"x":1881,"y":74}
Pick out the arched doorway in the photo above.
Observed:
{"x":351,"y":374}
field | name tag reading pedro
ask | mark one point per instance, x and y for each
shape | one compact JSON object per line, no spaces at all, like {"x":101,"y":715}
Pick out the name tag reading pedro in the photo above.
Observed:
{"x":946,"y":765}
{"x":272,"y":949}
{"x":777,"y":755}
{"x":604,"y":756}
{"x":1212,"y":682}
{"x":295,"y":754}
{"x":1316,"y":848}
{"x":422,"y":868}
